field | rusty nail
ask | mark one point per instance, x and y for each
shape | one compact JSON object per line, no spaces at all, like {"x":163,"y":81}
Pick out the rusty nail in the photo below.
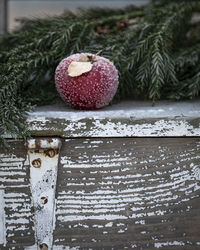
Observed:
{"x":37,"y":163}
{"x":50,"y":152}
{"x":44,"y":200}
{"x":43,"y":246}
{"x":27,"y":144}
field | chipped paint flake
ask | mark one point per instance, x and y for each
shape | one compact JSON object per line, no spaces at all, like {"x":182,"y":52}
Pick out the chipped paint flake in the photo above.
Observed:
{"x":168,"y":243}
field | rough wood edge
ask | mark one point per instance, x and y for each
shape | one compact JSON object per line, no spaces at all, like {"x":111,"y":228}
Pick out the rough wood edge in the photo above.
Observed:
{"x":125,"y":119}
{"x":90,"y":127}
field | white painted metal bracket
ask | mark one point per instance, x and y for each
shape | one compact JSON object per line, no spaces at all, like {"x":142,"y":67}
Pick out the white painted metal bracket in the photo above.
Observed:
{"x":43,"y":156}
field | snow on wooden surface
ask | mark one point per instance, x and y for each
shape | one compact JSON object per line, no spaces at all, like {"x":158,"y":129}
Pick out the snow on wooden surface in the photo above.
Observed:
{"x":138,"y":119}
{"x":124,"y":109}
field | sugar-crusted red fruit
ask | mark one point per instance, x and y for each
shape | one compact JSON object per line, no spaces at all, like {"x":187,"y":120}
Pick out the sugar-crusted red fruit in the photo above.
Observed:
{"x":89,"y":84}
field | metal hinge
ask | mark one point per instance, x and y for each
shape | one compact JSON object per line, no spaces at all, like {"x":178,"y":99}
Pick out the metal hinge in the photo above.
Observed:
{"x":43,"y":156}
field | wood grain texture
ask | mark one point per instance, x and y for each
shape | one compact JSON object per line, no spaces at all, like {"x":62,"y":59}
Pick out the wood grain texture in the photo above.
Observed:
{"x":15,"y":186}
{"x":128,"y":193}
{"x":112,"y":193}
{"x":125,"y":119}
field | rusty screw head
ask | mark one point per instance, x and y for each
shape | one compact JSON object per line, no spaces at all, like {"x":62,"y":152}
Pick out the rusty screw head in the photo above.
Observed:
{"x":50,"y":152}
{"x":37,"y":163}
{"x":43,"y":200}
{"x":43,"y":246}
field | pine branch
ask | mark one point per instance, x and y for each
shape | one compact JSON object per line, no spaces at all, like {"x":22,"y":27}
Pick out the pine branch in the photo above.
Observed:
{"x":187,"y":57}
{"x":156,"y":52}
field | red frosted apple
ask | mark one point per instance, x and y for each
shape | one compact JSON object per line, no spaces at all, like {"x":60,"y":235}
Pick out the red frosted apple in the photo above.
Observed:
{"x":86,"y":81}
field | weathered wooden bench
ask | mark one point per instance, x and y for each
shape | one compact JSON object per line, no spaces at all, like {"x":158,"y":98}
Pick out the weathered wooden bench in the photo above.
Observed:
{"x":128,"y":176}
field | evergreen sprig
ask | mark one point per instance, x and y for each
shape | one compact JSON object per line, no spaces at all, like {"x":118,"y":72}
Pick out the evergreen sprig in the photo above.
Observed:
{"x":156,"y":49}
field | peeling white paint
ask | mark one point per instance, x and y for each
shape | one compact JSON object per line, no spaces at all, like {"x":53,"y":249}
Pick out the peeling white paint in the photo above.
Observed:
{"x":61,"y":247}
{"x":196,"y":171}
{"x":169,"y":243}
{"x":98,"y":226}
{"x":127,"y":119}
{"x":19,"y":218}
{"x":90,"y":217}
{"x":110,"y":224}
{"x":85,"y":198}
{"x":147,"y":194}
{"x":2,"y":219}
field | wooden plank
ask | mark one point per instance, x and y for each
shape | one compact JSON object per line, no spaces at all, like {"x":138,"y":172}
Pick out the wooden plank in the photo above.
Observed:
{"x":141,"y":193}
{"x":15,"y":193}
{"x":125,"y":119}
{"x":3,"y":16}
{"x":113,"y":193}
